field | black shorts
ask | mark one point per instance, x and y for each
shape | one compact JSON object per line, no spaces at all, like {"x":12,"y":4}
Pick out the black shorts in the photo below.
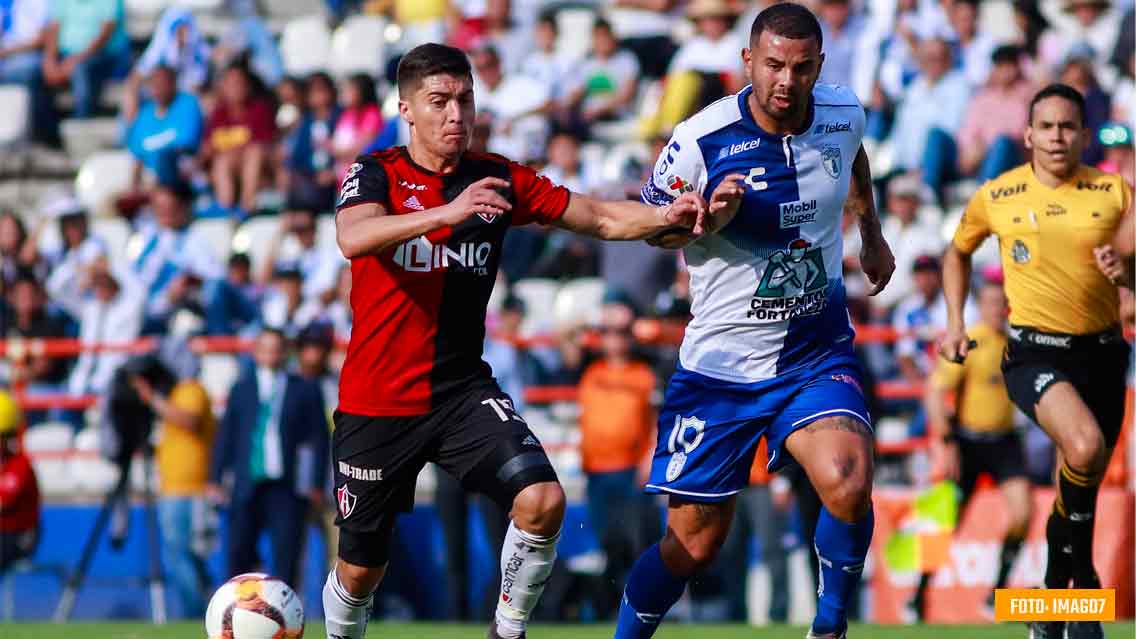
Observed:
{"x":1000,"y":455}
{"x":476,"y":436}
{"x":1096,"y":365}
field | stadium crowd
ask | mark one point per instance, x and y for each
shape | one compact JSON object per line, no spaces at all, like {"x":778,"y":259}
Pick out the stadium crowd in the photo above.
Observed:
{"x":221,"y":131}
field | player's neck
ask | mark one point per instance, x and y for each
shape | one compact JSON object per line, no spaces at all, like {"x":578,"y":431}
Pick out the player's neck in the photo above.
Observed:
{"x":1052,"y":180}
{"x":430,"y":161}
{"x":771,"y":126}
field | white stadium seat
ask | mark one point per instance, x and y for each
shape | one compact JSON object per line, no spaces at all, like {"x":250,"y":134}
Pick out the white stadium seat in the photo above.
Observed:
{"x":15,"y":103}
{"x":575,"y":26}
{"x":146,"y":7}
{"x":305,"y":45}
{"x":48,"y":437}
{"x":358,"y":46}
{"x":252,"y":238}
{"x":103,"y":176}
{"x":578,"y":302}
{"x":218,"y":232}
{"x":539,"y":296}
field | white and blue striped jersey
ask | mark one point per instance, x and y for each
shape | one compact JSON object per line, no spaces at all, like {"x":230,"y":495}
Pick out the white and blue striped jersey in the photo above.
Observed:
{"x":768,"y":293}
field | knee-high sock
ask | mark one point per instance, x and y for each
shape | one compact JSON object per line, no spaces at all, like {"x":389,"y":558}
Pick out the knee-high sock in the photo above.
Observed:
{"x":345,"y":615}
{"x":1059,"y":557}
{"x":841,"y":549}
{"x":651,"y":591}
{"x":1079,"y":498}
{"x":526,"y":563}
{"x":1011,"y":546}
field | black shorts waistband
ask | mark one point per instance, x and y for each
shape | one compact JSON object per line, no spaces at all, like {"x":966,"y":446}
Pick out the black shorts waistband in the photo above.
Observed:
{"x":1028,"y":336}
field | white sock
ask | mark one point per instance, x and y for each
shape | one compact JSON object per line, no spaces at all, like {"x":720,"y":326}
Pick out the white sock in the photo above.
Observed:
{"x":526,"y":563}
{"x":345,"y":615}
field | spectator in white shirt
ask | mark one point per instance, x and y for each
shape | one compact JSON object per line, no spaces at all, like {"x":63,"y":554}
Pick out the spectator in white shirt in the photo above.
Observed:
{"x":604,"y":85}
{"x":515,"y":104}
{"x":1094,"y":24}
{"x":645,"y":30}
{"x":910,"y":234}
{"x":72,"y":250}
{"x":544,"y":64}
{"x":318,"y":264}
{"x":921,"y":318}
{"x":844,"y":34}
{"x":564,"y":167}
{"x":975,"y":46}
{"x":284,"y":307}
{"x":22,"y":39}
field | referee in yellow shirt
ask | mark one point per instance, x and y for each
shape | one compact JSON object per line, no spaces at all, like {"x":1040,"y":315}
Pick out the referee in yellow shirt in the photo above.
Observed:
{"x":978,"y":436}
{"x":1066,"y":359}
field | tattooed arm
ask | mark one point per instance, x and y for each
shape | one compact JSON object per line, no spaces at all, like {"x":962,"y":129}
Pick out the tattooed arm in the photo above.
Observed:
{"x":875,"y":254}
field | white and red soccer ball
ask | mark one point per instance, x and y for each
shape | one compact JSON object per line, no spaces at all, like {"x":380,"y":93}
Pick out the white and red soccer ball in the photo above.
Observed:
{"x":254,"y":606}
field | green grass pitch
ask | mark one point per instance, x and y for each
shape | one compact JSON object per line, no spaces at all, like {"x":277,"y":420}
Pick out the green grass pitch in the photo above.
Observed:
{"x":444,"y":631}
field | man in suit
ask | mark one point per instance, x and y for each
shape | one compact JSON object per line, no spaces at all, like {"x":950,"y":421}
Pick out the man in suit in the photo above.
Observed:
{"x":272,"y":452}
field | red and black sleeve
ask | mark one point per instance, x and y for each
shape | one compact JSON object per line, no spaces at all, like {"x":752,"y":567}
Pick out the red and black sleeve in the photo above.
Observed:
{"x":366,"y":182}
{"x":538,"y":199}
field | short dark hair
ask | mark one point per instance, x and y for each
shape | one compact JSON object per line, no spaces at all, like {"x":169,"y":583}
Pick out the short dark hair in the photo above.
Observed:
{"x":365,"y":85}
{"x":430,"y":59}
{"x":240,"y":259}
{"x":179,"y":188}
{"x":788,"y":20}
{"x":603,"y":25}
{"x":973,"y":3}
{"x":1063,"y":91}
{"x":26,"y":276}
{"x":549,"y":18}
{"x":1006,"y":54}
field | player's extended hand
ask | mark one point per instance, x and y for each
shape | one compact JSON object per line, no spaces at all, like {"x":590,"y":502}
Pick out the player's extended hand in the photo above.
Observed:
{"x":1109,"y":263}
{"x":679,"y":219}
{"x":955,"y":344}
{"x":877,"y":262}
{"x":480,"y":197}
{"x":724,"y":204}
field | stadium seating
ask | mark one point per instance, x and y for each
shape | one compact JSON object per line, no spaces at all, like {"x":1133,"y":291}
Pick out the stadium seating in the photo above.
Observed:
{"x":83,"y":138}
{"x":358,"y":46}
{"x":218,"y":233}
{"x":15,"y":103}
{"x":252,"y":236}
{"x":578,"y":302}
{"x":103,"y":176}
{"x":539,"y":296}
{"x":305,"y":45}
{"x":575,"y":25}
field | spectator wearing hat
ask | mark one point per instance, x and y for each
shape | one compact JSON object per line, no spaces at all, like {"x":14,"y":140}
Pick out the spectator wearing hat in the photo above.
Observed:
{"x":911,"y":227}
{"x":990,"y":146}
{"x":22,"y":40}
{"x":164,"y":129}
{"x":929,"y":116}
{"x":238,"y":134}
{"x":19,"y":490}
{"x":176,"y":265}
{"x":74,"y":249}
{"x":921,"y":317}
{"x":86,"y":46}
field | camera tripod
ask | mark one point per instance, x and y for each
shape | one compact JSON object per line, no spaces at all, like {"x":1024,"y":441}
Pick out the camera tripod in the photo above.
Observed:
{"x":120,"y":497}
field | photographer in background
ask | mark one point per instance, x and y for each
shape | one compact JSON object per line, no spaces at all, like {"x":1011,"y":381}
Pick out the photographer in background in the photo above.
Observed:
{"x":19,"y":492}
{"x":185,"y":440}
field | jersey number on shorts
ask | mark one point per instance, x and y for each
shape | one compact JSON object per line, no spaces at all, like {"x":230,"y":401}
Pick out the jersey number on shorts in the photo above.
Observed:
{"x":504,"y":408}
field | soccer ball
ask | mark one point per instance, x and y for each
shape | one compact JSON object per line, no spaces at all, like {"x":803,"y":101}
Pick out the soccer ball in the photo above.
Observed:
{"x":254,"y":606}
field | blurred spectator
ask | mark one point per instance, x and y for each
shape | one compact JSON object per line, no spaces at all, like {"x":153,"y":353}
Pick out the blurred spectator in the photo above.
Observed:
{"x":111,"y":312}
{"x":564,"y":167}
{"x":909,"y":230}
{"x":77,"y":246}
{"x":22,"y":40}
{"x":292,"y":103}
{"x":309,"y":164}
{"x":845,"y":34}
{"x":512,"y":43}
{"x":13,"y":242}
{"x":185,"y":439}
{"x":313,"y":354}
{"x":975,"y":45}
{"x":543,"y":64}
{"x":175,"y":262}
{"x":929,"y":115}
{"x":178,"y":44}
{"x":1031,"y":24}
{"x":422,"y":21}
{"x":564,"y":365}
{"x":359,"y":122}
{"x":30,"y":320}
{"x":338,"y":312}
{"x":1088,"y":26}
{"x":647,"y":28}
{"x":1124,"y":96}
{"x":990,"y":146}
{"x":318,"y":264}
{"x":604,"y":84}
{"x":617,"y":426}
{"x":283,"y":301}
{"x":515,"y":105}
{"x":237,"y":138}
{"x":236,"y":305}
{"x":19,"y":490}
{"x":165,"y":129}
{"x":921,"y":317}
{"x":1078,"y":73}
{"x":511,"y":365}
{"x":899,"y":64}
{"x":249,"y":41}
{"x":86,"y":46}
{"x":272,"y":452}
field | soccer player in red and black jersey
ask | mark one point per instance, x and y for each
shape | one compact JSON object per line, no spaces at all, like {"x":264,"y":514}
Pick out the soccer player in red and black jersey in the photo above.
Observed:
{"x":423,"y":227}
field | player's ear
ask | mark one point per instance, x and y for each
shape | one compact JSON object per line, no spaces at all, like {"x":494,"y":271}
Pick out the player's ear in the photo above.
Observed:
{"x":1026,"y":138}
{"x":404,"y":111}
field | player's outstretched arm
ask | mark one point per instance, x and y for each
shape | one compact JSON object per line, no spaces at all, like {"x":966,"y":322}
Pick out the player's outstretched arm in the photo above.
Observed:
{"x":876,"y":258}
{"x":366,"y":228}
{"x":629,"y":220}
{"x":956,"y":281}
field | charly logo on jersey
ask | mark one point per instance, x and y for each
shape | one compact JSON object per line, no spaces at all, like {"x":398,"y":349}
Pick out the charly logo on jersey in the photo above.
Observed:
{"x":1020,"y":252}
{"x":740,"y":147}
{"x":795,"y":214}
{"x":831,"y":160}
{"x":420,"y":255}
{"x":795,"y":283}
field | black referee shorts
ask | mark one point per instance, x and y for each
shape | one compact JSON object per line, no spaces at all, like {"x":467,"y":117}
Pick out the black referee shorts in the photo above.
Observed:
{"x":476,"y":436}
{"x":1096,"y":365}
{"x":999,"y":454}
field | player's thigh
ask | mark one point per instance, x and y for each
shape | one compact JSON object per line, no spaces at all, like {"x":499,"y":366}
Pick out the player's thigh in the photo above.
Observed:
{"x":1063,"y":414}
{"x":490,"y":449}
{"x":376,"y":461}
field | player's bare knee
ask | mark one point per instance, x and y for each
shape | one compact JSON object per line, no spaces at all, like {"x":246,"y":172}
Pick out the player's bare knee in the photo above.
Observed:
{"x":690,"y":552}
{"x":539,"y":509}
{"x":1084,"y":450}
{"x":359,"y":581}
{"x":845,"y":485}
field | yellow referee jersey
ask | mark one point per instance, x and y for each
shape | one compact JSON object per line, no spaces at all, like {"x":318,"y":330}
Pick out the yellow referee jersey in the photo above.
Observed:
{"x":1046,"y":238}
{"x":982,"y":404}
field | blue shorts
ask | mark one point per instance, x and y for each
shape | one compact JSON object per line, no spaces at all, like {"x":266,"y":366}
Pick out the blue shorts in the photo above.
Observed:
{"x":709,"y":429}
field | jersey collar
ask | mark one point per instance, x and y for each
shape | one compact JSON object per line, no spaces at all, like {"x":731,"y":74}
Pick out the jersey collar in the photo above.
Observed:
{"x":749,"y":122}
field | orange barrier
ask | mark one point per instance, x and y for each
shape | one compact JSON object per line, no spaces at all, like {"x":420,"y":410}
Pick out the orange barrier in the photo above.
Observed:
{"x":959,"y":589}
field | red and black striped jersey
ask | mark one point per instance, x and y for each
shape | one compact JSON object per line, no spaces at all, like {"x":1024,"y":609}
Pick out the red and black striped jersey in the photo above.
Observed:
{"x":419,"y":307}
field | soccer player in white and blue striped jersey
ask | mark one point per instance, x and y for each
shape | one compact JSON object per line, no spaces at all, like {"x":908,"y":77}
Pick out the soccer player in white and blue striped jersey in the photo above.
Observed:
{"x":768,"y":352}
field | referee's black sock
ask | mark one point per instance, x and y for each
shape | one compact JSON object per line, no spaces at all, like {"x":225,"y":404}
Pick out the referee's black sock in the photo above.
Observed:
{"x":1010,"y":549}
{"x":1059,"y":564}
{"x":1079,"y":499}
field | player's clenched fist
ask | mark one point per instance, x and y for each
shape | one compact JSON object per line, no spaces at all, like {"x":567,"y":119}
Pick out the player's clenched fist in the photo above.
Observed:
{"x":481,"y":197}
{"x":680,"y":218}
